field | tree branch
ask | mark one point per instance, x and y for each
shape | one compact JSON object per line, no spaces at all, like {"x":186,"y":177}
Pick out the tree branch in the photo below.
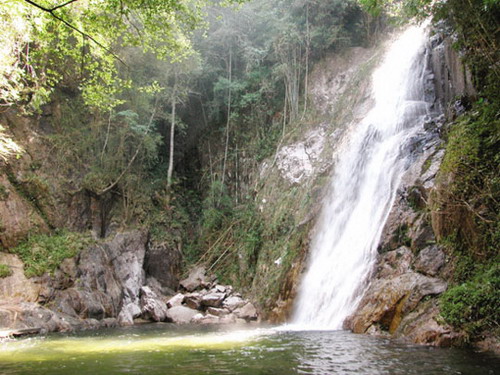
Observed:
{"x":63,"y":5}
{"x":51,"y":12}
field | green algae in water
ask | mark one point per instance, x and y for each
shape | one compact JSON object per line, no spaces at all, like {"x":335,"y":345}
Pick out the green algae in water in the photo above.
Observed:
{"x":168,"y":349}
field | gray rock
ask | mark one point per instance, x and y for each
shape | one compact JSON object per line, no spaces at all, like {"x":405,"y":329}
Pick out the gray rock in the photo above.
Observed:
{"x":233,"y":302}
{"x":151,"y":306}
{"x":394,"y":263}
{"x":158,"y":288}
{"x":421,"y":233}
{"x":220,"y":288}
{"x":164,"y":264}
{"x":109,"y":323}
{"x":247,"y":312}
{"x":205,"y":319}
{"x":217,"y":312}
{"x":96,"y":273}
{"x":181,"y":314}
{"x":195,"y":280}
{"x":127,"y":251}
{"x":430,"y":260}
{"x":175,"y":300}
{"x":84,"y":303}
{"x":193,"y":300}
{"x":128,"y":313}
{"x":388,"y":300}
{"x":213,"y":299}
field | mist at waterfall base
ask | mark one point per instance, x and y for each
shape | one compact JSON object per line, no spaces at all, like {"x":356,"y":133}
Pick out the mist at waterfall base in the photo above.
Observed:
{"x":343,"y":251}
{"x":367,"y":175}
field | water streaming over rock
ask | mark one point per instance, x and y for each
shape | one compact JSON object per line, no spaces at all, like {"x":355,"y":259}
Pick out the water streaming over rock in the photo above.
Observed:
{"x":367,"y":174}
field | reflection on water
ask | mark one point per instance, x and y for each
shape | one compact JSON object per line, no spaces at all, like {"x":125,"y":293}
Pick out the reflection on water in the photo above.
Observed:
{"x":166,"y":349}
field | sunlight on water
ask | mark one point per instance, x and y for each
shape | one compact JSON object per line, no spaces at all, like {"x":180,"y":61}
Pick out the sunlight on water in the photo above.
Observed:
{"x":39,"y":349}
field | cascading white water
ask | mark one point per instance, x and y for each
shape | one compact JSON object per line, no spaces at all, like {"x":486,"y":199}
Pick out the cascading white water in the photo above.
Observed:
{"x":363,"y":188}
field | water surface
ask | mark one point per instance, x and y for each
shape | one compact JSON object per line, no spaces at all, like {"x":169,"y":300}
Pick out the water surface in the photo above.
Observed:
{"x":167,"y":349}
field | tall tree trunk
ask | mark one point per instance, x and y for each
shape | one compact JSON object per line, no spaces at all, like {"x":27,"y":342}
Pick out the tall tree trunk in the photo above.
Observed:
{"x":306,"y":78}
{"x":172,"y":134}
{"x":228,"y":123}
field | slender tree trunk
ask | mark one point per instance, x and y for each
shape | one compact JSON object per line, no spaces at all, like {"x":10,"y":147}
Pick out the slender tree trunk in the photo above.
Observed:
{"x":308,"y":41}
{"x":172,"y":134}
{"x":228,"y":123}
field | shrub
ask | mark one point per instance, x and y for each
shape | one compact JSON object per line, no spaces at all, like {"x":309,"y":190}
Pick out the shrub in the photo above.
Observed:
{"x":474,"y":305}
{"x":5,"y":271}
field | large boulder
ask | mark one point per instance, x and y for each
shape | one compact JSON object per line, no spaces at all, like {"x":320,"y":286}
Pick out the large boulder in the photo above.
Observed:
{"x":430,"y":260}
{"x":176,"y":300}
{"x":217,"y":311}
{"x":388,"y":300}
{"x":213,"y":299}
{"x":181,"y":314}
{"x":95,"y":272}
{"x":196,"y":279}
{"x":233,"y":302}
{"x":247,"y":312}
{"x":193,"y":300}
{"x":151,"y":306}
{"x":205,"y":319}
{"x":126,"y":251}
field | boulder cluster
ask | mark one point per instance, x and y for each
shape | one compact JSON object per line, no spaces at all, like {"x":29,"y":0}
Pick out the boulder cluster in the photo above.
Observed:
{"x":110,"y":284}
{"x":202,"y":301}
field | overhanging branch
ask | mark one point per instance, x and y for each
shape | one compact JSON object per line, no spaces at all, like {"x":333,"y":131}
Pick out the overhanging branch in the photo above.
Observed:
{"x":51,"y":12}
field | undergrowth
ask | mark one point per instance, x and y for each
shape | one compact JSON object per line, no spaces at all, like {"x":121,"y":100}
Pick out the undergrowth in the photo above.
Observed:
{"x":43,"y":253}
{"x":472,"y":303}
{"x":5,"y":271}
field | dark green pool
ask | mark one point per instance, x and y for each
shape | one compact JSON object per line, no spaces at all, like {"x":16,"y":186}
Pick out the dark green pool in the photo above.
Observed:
{"x":167,"y":349}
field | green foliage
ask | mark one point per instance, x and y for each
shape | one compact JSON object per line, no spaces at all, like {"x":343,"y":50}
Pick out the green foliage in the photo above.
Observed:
{"x":474,"y":305}
{"x":473,"y":158}
{"x":5,"y":271}
{"x":44,"y":253}
{"x":217,"y":208}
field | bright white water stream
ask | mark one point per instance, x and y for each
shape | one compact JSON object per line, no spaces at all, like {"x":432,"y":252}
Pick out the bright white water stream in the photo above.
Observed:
{"x":363,"y":188}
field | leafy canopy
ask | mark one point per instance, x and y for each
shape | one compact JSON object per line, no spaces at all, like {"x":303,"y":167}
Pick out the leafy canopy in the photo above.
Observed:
{"x":77,"y":44}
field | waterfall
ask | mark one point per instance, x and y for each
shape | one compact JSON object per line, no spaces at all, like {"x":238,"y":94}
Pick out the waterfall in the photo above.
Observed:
{"x":367,"y":175}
